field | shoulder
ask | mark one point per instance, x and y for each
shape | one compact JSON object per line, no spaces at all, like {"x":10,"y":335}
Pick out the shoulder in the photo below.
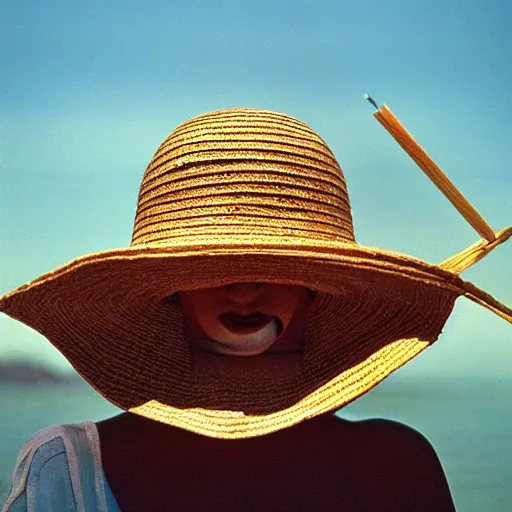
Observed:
{"x":43,"y":447}
{"x":384,"y":433}
{"x":50,"y":442}
{"x":390,"y":434}
{"x":386,"y":442}
{"x":405,"y":444}
{"x":47,"y":466}
{"x":371,"y":431}
{"x":401,"y":463}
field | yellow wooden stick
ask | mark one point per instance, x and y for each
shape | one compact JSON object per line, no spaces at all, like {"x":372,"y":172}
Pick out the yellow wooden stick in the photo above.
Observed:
{"x":387,"y":119}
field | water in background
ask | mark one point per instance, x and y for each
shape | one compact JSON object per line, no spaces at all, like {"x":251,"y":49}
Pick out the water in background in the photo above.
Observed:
{"x":469,"y":422}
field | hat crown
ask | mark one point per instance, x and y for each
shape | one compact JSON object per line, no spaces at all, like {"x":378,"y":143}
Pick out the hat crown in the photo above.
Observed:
{"x":243,"y":172}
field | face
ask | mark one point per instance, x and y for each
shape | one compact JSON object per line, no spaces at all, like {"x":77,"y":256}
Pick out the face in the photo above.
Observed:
{"x":246,"y":319}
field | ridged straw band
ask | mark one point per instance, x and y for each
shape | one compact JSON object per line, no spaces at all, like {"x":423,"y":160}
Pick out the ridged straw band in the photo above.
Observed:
{"x":232,"y":196}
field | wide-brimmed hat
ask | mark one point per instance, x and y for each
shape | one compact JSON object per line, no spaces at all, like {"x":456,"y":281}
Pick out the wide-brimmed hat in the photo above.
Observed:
{"x":243,"y":195}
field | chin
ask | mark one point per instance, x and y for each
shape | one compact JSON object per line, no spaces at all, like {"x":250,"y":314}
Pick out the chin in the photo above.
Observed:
{"x":239,"y":352}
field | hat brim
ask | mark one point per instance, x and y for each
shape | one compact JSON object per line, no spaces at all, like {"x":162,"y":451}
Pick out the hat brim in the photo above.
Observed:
{"x":107,"y":313}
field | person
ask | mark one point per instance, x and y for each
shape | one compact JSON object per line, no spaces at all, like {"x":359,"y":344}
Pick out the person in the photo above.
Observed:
{"x":240,"y":318}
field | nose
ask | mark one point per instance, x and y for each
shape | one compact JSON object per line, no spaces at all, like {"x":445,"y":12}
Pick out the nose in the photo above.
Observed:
{"x":243,"y":292}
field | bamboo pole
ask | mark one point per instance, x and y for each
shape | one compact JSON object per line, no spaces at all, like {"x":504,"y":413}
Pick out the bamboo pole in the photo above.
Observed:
{"x":387,"y":119}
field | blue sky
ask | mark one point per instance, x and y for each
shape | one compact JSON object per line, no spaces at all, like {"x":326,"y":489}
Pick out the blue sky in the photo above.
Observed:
{"x":88,"y":90}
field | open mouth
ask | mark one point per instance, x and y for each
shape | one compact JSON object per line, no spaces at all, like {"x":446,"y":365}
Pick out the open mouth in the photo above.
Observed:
{"x":246,"y":324}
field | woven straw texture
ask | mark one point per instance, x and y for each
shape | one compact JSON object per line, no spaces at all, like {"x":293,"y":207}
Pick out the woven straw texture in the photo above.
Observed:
{"x":240,"y":195}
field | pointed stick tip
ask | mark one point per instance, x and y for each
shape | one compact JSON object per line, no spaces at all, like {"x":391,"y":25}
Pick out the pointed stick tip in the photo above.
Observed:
{"x":367,"y":97}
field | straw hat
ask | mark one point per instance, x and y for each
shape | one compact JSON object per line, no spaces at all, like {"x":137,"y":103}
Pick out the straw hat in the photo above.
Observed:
{"x":243,"y":195}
